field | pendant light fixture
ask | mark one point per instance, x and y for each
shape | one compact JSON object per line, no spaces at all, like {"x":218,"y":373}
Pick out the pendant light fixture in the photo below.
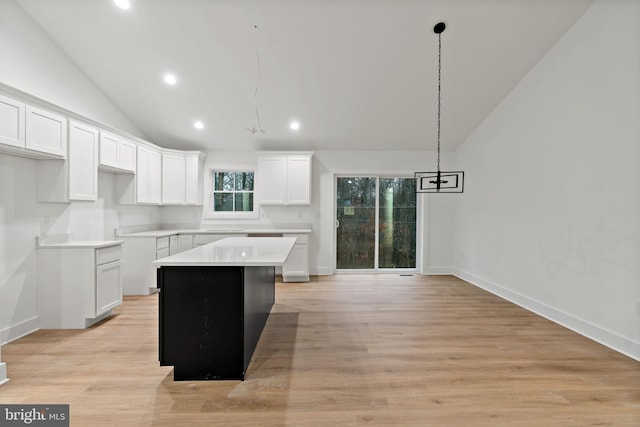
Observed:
{"x":256,"y":127}
{"x":439,"y":181}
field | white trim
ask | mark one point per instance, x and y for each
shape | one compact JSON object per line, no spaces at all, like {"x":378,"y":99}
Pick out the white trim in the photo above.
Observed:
{"x":208,"y":195}
{"x":596,"y":333}
{"x":439,"y":271}
{"x":19,"y":330}
{"x":420,"y":214}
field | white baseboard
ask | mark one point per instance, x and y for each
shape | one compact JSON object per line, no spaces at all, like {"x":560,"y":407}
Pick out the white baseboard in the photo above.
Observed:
{"x":322,"y":271}
{"x":603,"y":336}
{"x":19,"y":330}
{"x":3,"y":373}
{"x":439,"y":271}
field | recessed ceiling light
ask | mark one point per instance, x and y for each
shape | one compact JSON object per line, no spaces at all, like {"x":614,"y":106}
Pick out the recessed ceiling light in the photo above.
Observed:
{"x":198,"y":124}
{"x":294,"y":125}
{"x":170,"y":79}
{"x":122,"y":4}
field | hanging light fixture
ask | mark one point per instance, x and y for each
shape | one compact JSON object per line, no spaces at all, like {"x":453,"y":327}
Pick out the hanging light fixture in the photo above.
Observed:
{"x":439,"y":181}
{"x":256,"y":127}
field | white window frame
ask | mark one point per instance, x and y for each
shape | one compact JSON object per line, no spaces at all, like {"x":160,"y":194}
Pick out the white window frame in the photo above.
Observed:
{"x":211,"y":214}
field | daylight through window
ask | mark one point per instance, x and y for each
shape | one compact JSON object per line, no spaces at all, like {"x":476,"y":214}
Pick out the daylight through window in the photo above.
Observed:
{"x":233,"y":191}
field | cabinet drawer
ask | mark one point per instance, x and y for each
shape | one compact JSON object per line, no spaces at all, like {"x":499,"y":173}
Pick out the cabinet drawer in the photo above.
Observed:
{"x":109,"y":254}
{"x":162,"y":242}
{"x":303,"y":239}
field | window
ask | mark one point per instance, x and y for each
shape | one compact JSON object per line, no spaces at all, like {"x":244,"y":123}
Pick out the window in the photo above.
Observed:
{"x":232,"y":192}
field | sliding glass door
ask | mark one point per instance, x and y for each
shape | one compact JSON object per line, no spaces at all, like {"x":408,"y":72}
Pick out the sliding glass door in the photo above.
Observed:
{"x":375,"y":223}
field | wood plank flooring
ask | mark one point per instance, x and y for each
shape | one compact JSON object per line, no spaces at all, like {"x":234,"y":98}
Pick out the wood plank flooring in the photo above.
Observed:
{"x":345,"y":350}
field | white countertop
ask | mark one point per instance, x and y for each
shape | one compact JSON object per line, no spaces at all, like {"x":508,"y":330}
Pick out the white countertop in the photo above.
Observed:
{"x":96,"y":244}
{"x":234,"y":251}
{"x":247,"y":230}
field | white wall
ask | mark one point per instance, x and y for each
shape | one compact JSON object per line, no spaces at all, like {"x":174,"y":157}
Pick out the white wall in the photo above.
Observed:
{"x":320,"y":214}
{"x":32,"y":63}
{"x":551,"y":212}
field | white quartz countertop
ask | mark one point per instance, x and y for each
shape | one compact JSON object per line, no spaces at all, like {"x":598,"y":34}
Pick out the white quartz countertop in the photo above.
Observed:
{"x":97,"y":244}
{"x":246,"y":230}
{"x":234,"y":251}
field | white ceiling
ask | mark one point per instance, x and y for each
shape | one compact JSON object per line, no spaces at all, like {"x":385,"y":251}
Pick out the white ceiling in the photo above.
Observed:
{"x":357,"y":74}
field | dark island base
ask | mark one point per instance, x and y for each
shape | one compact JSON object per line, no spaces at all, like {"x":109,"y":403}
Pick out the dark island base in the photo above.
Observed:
{"x":211,"y":319}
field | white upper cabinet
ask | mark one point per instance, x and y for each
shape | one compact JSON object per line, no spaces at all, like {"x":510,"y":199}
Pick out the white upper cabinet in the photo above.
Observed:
{"x":127,"y":155}
{"x":272,"y":180}
{"x":45,"y":132}
{"x":194,"y":180}
{"x":76,"y":178}
{"x":182,"y":177}
{"x":148,"y":177}
{"x":12,"y":128}
{"x":83,"y":162}
{"x":116,"y":153}
{"x":298,"y":180}
{"x":173,"y":179}
{"x":31,"y":132}
{"x":285,"y":179}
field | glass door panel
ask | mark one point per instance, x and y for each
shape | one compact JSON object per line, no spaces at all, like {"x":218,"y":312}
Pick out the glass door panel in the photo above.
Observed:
{"x":356,"y":222}
{"x":397,"y":223}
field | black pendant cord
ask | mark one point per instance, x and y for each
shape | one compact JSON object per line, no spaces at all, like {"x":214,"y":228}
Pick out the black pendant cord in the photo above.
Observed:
{"x":438,"y":177}
{"x":438,"y":181}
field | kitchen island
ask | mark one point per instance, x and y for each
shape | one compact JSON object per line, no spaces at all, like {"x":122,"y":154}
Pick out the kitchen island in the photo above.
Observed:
{"x":214,"y":302}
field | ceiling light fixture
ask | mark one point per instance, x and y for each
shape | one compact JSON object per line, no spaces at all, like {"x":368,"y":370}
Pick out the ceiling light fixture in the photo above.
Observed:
{"x":170,"y":79}
{"x":122,"y":4}
{"x":294,"y":125}
{"x":255,"y":129}
{"x":438,"y":181}
{"x":198,"y":124}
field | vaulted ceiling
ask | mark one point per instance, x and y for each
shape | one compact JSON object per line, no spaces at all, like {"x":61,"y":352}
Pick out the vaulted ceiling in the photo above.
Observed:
{"x":356,"y":74}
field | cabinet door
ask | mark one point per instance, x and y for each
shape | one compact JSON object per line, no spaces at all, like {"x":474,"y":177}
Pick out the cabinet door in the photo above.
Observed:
{"x":45,"y":132}
{"x":142,"y":176}
{"x":109,"y":149}
{"x":162,"y":253}
{"x":185,"y":242}
{"x":272,"y":180}
{"x":12,"y":122}
{"x":193,"y":190}
{"x":155,"y":177}
{"x":173,"y":245}
{"x":173,"y":179}
{"x":82,"y":162}
{"x":127,"y":155}
{"x":108,"y":287}
{"x":298,"y":261}
{"x":298,"y":180}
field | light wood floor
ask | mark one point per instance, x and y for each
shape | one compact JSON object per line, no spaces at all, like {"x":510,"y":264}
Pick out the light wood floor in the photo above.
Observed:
{"x":342,"y":350}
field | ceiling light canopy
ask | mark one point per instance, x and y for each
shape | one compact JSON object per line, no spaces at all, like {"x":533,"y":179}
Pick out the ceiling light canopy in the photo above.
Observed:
{"x":122,"y":4}
{"x":170,"y":79}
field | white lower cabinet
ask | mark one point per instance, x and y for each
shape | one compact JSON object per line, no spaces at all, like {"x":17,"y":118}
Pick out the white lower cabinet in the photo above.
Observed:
{"x":296,"y":269}
{"x":78,"y":285}
{"x":185,"y":242}
{"x":173,"y":245}
{"x":139,"y":273}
